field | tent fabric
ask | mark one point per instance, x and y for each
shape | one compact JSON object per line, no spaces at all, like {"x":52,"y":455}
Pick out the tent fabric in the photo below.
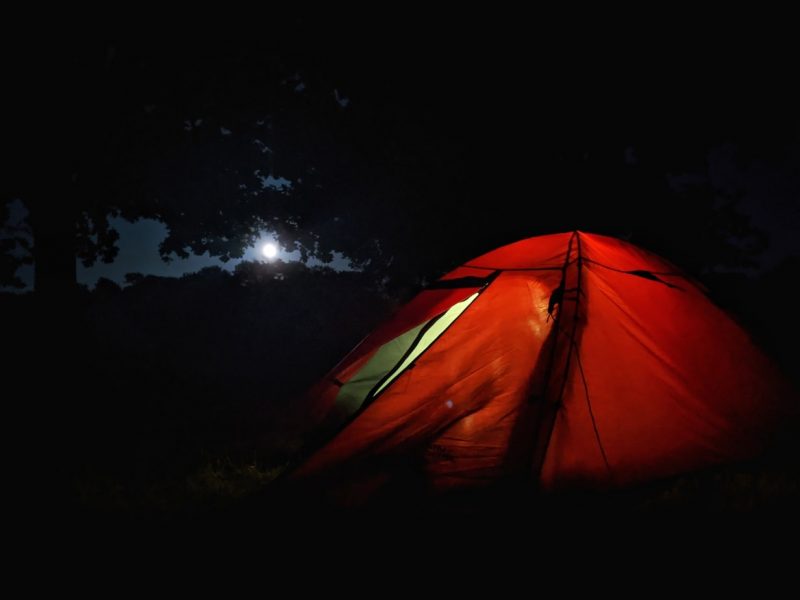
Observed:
{"x":574,"y":359}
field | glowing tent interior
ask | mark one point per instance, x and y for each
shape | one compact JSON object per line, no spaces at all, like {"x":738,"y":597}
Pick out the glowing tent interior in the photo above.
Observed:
{"x":574,"y":359}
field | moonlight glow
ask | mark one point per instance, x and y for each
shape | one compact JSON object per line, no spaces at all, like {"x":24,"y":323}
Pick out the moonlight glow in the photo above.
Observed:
{"x":269,"y":250}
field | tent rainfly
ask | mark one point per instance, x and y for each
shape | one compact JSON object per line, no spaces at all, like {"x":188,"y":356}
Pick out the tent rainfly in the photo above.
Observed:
{"x":573,"y":359}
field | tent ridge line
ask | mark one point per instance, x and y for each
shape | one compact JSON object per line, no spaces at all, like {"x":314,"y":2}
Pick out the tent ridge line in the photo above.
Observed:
{"x":542,"y":443}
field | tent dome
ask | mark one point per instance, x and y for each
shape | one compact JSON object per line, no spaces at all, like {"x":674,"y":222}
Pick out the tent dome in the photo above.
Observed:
{"x":573,"y":359}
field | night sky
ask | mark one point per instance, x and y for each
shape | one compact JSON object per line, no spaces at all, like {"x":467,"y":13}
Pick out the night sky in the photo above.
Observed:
{"x":473,"y":119}
{"x":138,"y":253}
{"x":769,"y":191}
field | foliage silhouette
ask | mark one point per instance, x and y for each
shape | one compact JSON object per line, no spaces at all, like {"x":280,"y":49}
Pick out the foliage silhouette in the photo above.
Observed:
{"x":406,"y":163}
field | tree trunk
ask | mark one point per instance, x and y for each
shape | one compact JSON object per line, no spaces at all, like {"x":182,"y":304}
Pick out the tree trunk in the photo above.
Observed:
{"x":54,"y":252}
{"x":53,"y":225}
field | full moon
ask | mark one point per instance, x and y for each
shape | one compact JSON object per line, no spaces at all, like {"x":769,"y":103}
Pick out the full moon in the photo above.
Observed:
{"x":269,"y":250}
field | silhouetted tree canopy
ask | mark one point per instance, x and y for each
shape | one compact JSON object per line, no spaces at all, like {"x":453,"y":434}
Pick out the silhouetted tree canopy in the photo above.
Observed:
{"x":406,"y":158}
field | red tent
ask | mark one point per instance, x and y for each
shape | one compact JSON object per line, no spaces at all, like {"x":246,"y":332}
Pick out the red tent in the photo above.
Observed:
{"x":574,"y":358}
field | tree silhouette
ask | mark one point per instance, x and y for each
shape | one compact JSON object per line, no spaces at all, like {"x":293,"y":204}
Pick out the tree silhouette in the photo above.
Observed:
{"x":406,"y":162}
{"x":131,"y":141}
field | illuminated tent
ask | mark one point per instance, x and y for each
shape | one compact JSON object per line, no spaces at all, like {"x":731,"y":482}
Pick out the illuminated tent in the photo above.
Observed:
{"x":573,"y":359}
